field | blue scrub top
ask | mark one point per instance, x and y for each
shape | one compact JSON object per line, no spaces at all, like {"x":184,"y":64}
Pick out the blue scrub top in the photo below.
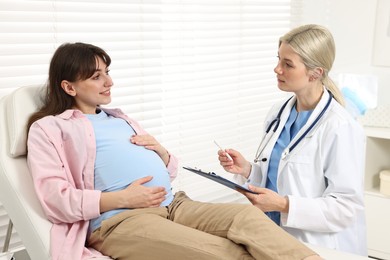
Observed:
{"x":294,"y":123}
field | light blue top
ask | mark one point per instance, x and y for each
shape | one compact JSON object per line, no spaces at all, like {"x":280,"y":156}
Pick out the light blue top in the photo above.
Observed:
{"x":119,"y":162}
{"x":294,"y":123}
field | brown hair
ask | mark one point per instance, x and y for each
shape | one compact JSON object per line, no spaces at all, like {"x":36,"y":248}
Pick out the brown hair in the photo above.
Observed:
{"x":71,"y":62}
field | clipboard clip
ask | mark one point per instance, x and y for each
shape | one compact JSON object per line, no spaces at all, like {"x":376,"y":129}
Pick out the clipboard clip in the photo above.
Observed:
{"x":199,"y":170}
{"x":215,"y":177}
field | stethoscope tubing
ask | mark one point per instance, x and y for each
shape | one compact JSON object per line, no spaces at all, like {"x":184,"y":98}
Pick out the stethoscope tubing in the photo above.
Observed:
{"x":275,"y":123}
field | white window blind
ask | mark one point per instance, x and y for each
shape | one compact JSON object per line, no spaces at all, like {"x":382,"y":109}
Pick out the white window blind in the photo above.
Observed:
{"x":190,"y":71}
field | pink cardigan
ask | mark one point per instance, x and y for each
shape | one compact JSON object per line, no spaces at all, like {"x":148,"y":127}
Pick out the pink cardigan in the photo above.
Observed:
{"x":61,"y":157}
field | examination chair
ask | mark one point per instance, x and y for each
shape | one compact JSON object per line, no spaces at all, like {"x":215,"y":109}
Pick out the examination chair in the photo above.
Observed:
{"x":16,"y":188}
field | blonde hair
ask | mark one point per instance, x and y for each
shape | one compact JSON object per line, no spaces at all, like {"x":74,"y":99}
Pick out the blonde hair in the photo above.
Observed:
{"x":315,"y":45}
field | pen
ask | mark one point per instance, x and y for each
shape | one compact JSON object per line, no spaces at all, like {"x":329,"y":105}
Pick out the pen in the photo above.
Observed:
{"x":227,"y":155}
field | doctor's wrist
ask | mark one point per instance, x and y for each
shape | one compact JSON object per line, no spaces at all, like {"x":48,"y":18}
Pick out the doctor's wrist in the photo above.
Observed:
{"x":247,"y":170}
{"x":285,"y":206}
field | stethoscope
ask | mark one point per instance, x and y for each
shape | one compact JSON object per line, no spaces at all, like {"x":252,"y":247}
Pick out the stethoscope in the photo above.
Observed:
{"x":275,"y":124}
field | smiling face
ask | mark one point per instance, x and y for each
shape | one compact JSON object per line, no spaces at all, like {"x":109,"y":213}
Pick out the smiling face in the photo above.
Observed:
{"x":93,"y":91}
{"x":291,"y":72}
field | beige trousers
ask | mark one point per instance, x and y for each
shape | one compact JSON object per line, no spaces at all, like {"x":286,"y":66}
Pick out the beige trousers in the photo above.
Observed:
{"x":189,"y":229}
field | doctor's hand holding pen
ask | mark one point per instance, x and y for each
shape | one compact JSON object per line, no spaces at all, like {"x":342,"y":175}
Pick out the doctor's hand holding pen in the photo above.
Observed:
{"x":232,"y":161}
{"x":267,"y":200}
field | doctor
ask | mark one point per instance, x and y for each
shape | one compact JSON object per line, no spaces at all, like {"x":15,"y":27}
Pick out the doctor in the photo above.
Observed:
{"x":308,"y":169}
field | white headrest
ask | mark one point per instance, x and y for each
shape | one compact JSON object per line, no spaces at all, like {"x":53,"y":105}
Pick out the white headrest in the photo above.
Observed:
{"x":20,"y":105}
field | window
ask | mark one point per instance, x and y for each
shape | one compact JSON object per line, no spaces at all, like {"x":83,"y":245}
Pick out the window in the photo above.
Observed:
{"x":190,"y":71}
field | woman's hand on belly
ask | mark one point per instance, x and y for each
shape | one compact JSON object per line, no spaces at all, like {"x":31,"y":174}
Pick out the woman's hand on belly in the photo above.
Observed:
{"x":150,"y":143}
{"x":134,"y":196}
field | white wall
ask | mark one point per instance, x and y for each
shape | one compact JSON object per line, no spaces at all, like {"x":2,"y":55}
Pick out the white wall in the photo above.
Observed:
{"x":352,"y":23}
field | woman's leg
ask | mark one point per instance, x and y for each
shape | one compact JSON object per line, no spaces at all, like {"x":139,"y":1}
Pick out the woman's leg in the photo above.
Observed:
{"x":241,"y":223}
{"x":148,"y":234}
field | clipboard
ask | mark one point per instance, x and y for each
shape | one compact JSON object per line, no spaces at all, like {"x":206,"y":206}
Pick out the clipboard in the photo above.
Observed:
{"x":214,"y":177}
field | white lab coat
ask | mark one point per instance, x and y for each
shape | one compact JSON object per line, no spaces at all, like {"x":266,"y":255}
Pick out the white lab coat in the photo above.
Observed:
{"x":322,"y":177}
